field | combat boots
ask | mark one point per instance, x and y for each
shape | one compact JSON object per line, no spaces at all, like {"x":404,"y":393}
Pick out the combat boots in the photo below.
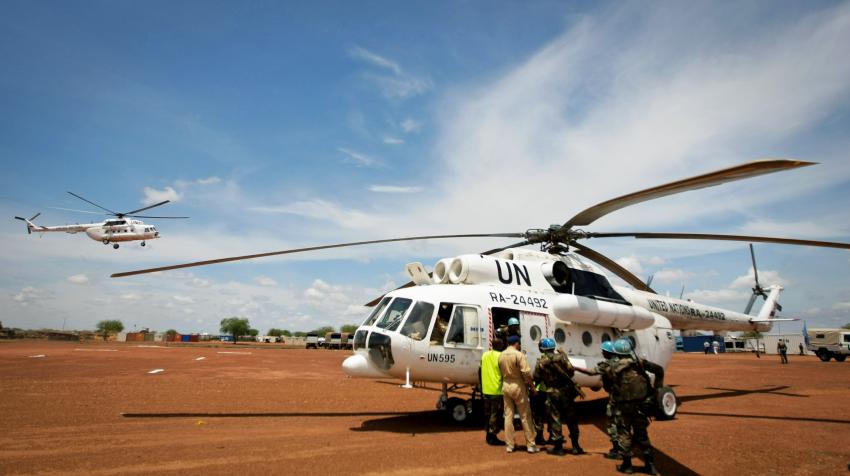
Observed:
{"x":577,"y":449}
{"x":493,"y":440}
{"x":557,"y":449}
{"x":539,"y":440}
{"x":615,"y":452}
{"x":649,"y":462}
{"x":626,"y":467}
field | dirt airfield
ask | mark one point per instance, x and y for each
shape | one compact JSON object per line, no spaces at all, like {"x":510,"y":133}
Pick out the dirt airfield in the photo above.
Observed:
{"x":69,"y":408}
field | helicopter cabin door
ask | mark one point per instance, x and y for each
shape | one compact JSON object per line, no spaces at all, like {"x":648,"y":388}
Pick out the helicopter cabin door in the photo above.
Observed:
{"x":533,"y":327}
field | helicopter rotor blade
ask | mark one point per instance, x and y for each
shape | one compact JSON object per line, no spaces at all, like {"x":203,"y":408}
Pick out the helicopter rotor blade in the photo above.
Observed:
{"x":312,"y":248}
{"x":750,"y":303}
{"x":612,"y":266}
{"x":755,"y":268}
{"x":738,"y":172}
{"x":715,"y":236}
{"x":145,"y":208}
{"x":35,"y":216}
{"x":146,"y":216}
{"x":78,"y":211}
{"x":95,"y":204}
{"x":375,"y":301}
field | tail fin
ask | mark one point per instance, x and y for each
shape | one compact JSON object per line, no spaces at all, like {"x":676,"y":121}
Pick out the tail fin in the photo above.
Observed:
{"x":767,"y":313}
{"x":30,"y":225}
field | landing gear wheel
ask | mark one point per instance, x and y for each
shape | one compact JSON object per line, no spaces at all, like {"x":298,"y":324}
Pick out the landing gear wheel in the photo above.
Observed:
{"x":105,"y":241}
{"x":143,"y":243}
{"x":839,"y":358}
{"x":456,"y":408}
{"x":823,"y":356}
{"x":115,"y":246}
{"x":668,"y":404}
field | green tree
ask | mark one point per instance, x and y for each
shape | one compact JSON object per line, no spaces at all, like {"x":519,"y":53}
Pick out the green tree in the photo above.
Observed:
{"x":323,"y":330}
{"x":253,"y":332}
{"x":235,"y":326}
{"x":274,"y":332}
{"x":108,"y":327}
{"x":171,"y":332}
{"x":846,"y":326}
{"x":350,"y":328}
{"x":751,"y":335}
{"x":286,"y":333}
{"x":299,"y":334}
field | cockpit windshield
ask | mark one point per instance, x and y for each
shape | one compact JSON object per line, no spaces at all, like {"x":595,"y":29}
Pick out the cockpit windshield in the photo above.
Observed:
{"x":376,"y":313}
{"x":392,"y":318}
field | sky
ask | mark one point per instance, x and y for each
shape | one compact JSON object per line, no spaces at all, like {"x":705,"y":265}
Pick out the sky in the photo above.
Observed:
{"x":276,"y":125}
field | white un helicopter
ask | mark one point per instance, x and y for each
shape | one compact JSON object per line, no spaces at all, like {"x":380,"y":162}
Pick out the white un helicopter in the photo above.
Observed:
{"x":435,"y":328}
{"x":113,"y":230}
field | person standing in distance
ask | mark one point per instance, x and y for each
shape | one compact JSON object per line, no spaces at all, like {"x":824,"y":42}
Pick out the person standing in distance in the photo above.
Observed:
{"x":516,"y":378}
{"x":782,"y":348}
{"x":491,"y":389}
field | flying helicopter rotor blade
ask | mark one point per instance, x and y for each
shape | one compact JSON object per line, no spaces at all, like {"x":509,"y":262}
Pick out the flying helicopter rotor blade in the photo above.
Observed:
{"x":612,"y":266}
{"x":408,"y":284}
{"x":78,"y":211}
{"x":738,"y":172}
{"x":313,"y":248}
{"x":146,"y":216}
{"x":714,"y":236}
{"x":35,"y":216}
{"x":145,"y":208}
{"x":95,"y":204}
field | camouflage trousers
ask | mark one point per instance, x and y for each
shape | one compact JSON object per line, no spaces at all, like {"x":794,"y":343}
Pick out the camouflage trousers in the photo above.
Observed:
{"x":610,"y":423}
{"x":495,"y":412}
{"x":562,"y":409}
{"x":539,"y":412}
{"x":632,"y":424}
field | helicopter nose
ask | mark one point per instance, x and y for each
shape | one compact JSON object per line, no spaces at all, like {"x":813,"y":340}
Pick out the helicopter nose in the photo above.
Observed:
{"x":358,"y":365}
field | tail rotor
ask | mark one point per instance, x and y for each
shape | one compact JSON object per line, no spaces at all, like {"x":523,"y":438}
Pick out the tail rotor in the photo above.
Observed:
{"x":757,"y":289}
{"x":30,"y":226}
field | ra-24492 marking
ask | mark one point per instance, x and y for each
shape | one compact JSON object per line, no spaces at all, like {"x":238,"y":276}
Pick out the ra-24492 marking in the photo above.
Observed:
{"x":525,"y":301}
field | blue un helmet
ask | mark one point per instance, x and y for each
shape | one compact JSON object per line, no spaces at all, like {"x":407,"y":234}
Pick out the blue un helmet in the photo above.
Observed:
{"x":546,"y":345}
{"x":622,"y":347}
{"x":513,"y":321}
{"x":607,"y":346}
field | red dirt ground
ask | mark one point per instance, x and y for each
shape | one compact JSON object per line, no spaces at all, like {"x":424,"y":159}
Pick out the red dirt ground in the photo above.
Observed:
{"x":284,"y":411}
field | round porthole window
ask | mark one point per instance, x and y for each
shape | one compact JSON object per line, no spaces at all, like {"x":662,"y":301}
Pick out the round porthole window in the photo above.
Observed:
{"x":605,"y":337}
{"x":587,"y":338}
{"x":534,"y":333}
{"x":560,"y":336}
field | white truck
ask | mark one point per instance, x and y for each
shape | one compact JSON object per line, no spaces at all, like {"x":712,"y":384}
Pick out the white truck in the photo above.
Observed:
{"x":829,"y":343}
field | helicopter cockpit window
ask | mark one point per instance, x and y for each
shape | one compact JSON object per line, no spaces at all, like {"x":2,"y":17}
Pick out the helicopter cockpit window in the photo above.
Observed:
{"x":442,"y":323}
{"x":419,"y":320}
{"x":376,"y":313}
{"x":360,"y":339}
{"x":464,"y":329}
{"x":585,"y":283}
{"x":392,"y":318}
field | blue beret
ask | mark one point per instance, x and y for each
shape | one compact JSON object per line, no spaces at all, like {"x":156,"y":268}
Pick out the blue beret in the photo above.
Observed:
{"x":513,"y":340}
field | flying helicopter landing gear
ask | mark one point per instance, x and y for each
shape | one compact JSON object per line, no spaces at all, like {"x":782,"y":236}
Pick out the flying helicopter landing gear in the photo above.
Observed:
{"x":143,"y":243}
{"x":115,"y":246}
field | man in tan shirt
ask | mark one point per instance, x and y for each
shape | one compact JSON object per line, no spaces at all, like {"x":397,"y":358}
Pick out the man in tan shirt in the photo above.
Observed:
{"x":516,"y":375}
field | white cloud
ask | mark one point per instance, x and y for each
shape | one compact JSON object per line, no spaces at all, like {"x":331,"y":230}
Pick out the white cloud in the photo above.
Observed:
{"x":375,"y":59}
{"x":631,"y":263}
{"x":78,"y":279}
{"x":393,"y":140}
{"x":841,"y":306}
{"x":265,"y":281}
{"x":131,"y":297}
{"x":668,"y":275}
{"x":410,"y":125}
{"x":358,"y":159}
{"x":208,"y":181}
{"x":766,"y":278}
{"x":393,"y":82}
{"x":153,"y":195}
{"x":28,"y":295}
{"x":394,"y":189}
{"x":184,"y":299}
{"x":325,"y":211}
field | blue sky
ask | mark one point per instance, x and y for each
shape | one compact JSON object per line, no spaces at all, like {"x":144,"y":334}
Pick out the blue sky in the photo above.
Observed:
{"x":277,"y":126}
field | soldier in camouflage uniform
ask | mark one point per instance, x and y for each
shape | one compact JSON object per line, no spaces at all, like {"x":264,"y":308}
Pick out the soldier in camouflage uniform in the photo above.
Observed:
{"x":555,"y":371}
{"x":603,"y":369}
{"x":634,"y":402}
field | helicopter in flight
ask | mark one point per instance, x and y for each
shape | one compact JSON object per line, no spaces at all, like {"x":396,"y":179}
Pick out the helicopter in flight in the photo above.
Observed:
{"x":436,"y":327}
{"x":110,"y":231}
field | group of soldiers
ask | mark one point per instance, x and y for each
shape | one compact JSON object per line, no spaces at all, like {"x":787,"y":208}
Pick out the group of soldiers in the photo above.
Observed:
{"x":546,"y":396}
